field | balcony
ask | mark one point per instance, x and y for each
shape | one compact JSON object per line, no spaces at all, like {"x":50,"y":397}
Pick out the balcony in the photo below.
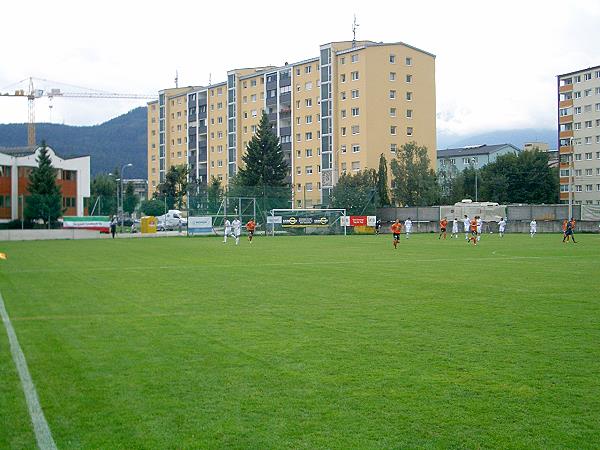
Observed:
{"x":285,"y":98}
{"x":285,"y":131}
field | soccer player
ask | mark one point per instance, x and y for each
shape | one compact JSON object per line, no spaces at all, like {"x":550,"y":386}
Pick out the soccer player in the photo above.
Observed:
{"x":443,"y":225}
{"x":396,"y":230}
{"x":237,"y":229}
{"x":473,"y":228}
{"x":467,"y":225}
{"x":408,"y":227}
{"x":479,"y":227}
{"x":564,"y":229}
{"x":532,"y":227}
{"x":227,"y":232}
{"x":569,"y":231}
{"x":501,"y":226}
{"x":454,"y":228}
{"x":377,"y":226}
{"x":251,"y":226}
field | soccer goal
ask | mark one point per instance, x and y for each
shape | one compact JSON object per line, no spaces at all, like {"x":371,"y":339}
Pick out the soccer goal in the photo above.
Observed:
{"x":306,"y":221}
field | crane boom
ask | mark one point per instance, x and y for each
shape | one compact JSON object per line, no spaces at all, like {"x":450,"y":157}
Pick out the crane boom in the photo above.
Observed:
{"x":33,"y":94}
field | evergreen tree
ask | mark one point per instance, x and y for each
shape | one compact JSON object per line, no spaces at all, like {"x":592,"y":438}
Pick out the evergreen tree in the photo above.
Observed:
{"x":174,"y":188}
{"x":103,"y":191}
{"x":356,"y":193}
{"x":414,"y":182}
{"x":215,"y":192}
{"x":383,"y":198}
{"x":264,"y":164}
{"x":130,"y":199}
{"x":152,"y":207}
{"x":45,"y":198}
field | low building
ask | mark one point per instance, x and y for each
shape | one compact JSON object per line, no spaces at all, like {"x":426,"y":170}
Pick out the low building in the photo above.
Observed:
{"x":472,"y":155}
{"x":16,"y":163}
{"x":140,"y":187}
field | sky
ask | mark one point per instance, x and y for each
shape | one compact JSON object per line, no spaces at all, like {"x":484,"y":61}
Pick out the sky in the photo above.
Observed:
{"x":496,"y":62}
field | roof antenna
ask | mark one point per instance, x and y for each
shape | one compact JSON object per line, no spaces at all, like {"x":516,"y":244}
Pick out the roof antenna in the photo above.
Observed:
{"x":354,"y":27}
{"x":209,"y":79}
{"x":176,"y":79}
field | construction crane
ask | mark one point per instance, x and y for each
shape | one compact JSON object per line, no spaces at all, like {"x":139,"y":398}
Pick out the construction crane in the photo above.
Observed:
{"x":32,"y":94}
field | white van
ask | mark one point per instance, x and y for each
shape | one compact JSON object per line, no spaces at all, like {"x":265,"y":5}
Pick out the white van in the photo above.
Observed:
{"x":172,"y":220}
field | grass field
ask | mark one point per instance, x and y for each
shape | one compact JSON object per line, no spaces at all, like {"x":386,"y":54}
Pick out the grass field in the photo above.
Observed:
{"x":305,"y":342}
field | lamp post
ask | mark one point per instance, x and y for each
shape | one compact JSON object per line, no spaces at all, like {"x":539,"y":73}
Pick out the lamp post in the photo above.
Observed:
{"x":474,"y":161}
{"x":571,"y":179}
{"x":122,"y":177}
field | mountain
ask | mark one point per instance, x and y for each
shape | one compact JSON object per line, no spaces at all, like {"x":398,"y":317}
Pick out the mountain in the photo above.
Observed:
{"x":111,"y":144}
{"x":514,"y":137}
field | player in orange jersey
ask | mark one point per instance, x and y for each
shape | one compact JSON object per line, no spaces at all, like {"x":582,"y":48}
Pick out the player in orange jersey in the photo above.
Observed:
{"x":443,"y":225}
{"x":473,"y":226}
{"x":396,"y":230}
{"x":250,"y":227}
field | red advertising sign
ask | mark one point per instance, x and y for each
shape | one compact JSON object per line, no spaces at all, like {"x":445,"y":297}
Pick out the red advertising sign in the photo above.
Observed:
{"x":358,"y":221}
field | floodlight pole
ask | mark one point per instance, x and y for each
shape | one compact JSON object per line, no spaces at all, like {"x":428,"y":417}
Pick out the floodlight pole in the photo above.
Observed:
{"x":122,"y":169}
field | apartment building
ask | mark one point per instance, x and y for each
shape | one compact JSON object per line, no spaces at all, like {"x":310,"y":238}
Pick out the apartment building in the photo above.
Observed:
{"x":579,"y":136}
{"x":334,"y":113}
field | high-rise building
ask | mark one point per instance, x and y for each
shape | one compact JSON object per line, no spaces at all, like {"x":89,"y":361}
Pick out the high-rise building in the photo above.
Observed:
{"x":335,"y":113}
{"x":579,"y":136}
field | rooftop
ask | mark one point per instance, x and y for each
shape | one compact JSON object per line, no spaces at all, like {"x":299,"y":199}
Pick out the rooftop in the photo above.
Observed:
{"x":473,"y":150}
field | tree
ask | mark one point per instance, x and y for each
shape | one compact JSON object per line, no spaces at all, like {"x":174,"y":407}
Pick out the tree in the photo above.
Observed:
{"x":130,"y":199}
{"x":414,"y":182}
{"x":152,"y":207}
{"x":264,"y":163}
{"x":174,"y":188}
{"x":103,"y":191}
{"x":215,"y":193}
{"x":45,"y":198}
{"x":356,"y":193}
{"x":383,"y":199}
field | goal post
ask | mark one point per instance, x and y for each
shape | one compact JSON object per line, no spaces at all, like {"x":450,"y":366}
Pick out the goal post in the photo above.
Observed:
{"x":307,"y":221}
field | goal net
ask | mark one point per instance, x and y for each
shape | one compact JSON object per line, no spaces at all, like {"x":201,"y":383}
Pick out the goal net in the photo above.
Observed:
{"x":306,"y":221}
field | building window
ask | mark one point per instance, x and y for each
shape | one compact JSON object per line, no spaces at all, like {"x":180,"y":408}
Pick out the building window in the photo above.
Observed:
{"x":588,"y":188}
{"x":298,"y":170}
{"x":343,"y":167}
{"x":343,"y":149}
{"x":307,"y":69}
{"x":408,"y":61}
{"x":355,"y":112}
{"x":409,"y":78}
{"x":409,"y":114}
{"x":588,"y":172}
{"x":309,"y":187}
{"x":343,"y":113}
{"x":355,"y":148}
{"x":393,"y":148}
{"x":343,"y":95}
{"x":308,"y":136}
{"x":342,"y":78}
{"x":308,"y":119}
{"x":354,"y":75}
{"x":588,"y":156}
{"x":392,"y":76}
{"x":409,"y":96}
{"x":308,"y":102}
{"x":354,"y":93}
{"x":343,"y":131}
{"x":308,"y":85}
{"x":308,"y":170}
{"x":393,"y":130}
{"x":298,"y":137}
{"x":409,"y":131}
{"x":392,"y":112}
{"x":355,"y":166}
{"x":392,"y":59}
{"x":355,"y":129}
{"x":309,"y":152}
{"x":392,"y":94}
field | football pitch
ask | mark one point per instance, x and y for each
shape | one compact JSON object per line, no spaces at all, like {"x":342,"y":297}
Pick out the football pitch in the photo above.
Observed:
{"x":305,"y":342}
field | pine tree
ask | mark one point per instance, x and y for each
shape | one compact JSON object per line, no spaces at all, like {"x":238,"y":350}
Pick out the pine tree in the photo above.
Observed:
{"x":45,"y":198}
{"x":383,"y":198}
{"x":131,"y":199}
{"x":415,"y":182}
{"x":264,"y":164}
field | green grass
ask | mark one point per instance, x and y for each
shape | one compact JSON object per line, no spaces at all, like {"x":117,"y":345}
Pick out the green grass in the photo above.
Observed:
{"x":306,"y":342}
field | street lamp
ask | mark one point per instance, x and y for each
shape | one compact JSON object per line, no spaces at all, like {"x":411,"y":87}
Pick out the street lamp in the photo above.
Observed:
{"x":122,"y":177}
{"x":474,"y":161}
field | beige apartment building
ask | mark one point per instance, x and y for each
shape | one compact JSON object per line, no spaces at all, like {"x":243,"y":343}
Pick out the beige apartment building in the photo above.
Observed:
{"x":335,"y":113}
{"x":579,"y":136}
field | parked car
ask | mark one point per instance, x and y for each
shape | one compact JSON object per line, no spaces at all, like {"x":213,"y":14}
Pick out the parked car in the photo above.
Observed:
{"x":171,"y":221}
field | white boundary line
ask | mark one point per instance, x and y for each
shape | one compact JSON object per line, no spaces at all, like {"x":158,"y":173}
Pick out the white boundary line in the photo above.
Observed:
{"x":40,"y":426}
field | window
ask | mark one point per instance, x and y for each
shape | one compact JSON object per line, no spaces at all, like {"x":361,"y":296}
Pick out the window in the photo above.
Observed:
{"x":587,"y":92}
{"x":577,"y":126}
{"x":253,"y":128}
{"x":409,"y":131}
{"x":587,"y":76}
{"x":220,"y":163}
{"x":254,"y":113}
{"x":577,"y":156}
{"x":308,"y":136}
{"x":587,"y":108}
{"x":392,"y":94}
{"x":308,"y":170}
{"x":564,"y":112}
{"x":409,"y":114}
{"x":308,"y":102}
{"x":343,"y":131}
{"x":355,"y":148}
{"x":466,"y":161}
{"x":409,"y":78}
{"x":588,"y":188}
{"x":298,"y":137}
{"x":297,"y":88}
{"x":588,"y":124}
{"x":308,"y":119}
{"x":392,"y":76}
{"x":253,"y":98}
{"x":355,"y":166}
{"x":577,"y":78}
{"x":307,"y":69}
{"x":354,"y":75}
{"x":298,"y":170}
{"x":392,"y":59}
{"x":308,"y":85}
{"x":393,"y":148}
{"x":343,"y":113}
{"x":564,"y":172}
{"x":220,"y":119}
{"x":577,"y":94}
{"x":342,"y":78}
{"x":355,"y":129}
{"x":408,"y":61}
{"x":298,"y":71}
{"x":354,"y":93}
{"x":309,"y":187}
{"x":355,"y":112}
{"x":409,"y":96}
{"x":577,"y":110}
{"x":253,"y":82}
{"x":597,"y":153}
{"x":393,"y":130}
{"x":588,"y":140}
{"x":588,"y":156}
{"x":564,"y":188}
{"x":343,"y":95}
{"x":354,"y":58}
{"x":343,"y":167}
{"x":588,"y":172}
{"x":392,"y":112}
{"x":298,"y":153}
{"x":219,"y":149}
{"x":342,"y":60}
{"x":309,"y":152}
{"x":343,"y":149}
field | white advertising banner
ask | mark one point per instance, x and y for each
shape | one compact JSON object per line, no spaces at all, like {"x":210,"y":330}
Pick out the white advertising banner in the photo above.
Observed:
{"x":200,"y":225}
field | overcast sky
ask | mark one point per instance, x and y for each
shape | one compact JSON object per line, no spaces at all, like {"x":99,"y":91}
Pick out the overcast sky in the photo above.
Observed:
{"x":496,"y":62}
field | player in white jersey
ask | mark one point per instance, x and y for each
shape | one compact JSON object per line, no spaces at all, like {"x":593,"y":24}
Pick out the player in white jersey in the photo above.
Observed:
{"x":454,"y":228}
{"x":408,"y":227}
{"x":227,"y":231}
{"x":501,"y":226}
{"x":479,"y":228}
{"x":532,"y":227}
{"x":237,"y":229}
{"x":467,"y":225}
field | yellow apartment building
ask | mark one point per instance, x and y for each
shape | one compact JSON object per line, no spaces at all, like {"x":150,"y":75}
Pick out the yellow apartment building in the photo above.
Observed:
{"x":335,"y":113}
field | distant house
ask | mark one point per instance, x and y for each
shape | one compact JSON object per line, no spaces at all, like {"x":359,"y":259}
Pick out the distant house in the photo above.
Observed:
{"x":472,"y":155}
{"x":16,"y":163}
